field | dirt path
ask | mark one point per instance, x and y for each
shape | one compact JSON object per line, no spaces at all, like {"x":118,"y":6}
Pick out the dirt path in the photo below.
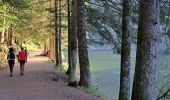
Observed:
{"x":36,"y":84}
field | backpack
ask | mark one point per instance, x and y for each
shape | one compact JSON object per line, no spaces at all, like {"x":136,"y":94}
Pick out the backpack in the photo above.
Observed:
{"x":11,"y":56}
{"x":22,"y":55}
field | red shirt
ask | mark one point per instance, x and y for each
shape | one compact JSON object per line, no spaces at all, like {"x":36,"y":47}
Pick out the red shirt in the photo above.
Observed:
{"x":22,"y":55}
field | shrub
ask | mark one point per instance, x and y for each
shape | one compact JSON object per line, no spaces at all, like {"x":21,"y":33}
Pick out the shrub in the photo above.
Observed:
{"x":3,"y":53}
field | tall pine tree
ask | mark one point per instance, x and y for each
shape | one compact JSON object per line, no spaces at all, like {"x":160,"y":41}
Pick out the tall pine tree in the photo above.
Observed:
{"x":85,"y":78}
{"x":124,"y":93}
{"x":145,"y":83}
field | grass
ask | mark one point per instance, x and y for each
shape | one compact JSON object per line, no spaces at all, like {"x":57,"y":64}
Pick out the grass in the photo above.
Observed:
{"x":94,"y":91}
{"x":50,"y":62}
{"x":56,"y":69}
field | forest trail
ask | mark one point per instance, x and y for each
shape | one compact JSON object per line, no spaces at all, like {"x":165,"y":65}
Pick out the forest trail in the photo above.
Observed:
{"x":36,"y":83}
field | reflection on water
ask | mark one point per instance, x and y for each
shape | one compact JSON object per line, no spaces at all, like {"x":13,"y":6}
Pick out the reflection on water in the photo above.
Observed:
{"x":105,"y":71}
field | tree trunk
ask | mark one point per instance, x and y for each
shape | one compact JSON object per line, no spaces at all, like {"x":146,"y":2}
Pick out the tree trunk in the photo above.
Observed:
{"x":10,"y":37}
{"x":124,"y":93}
{"x":3,"y":25}
{"x":60,"y":26}
{"x":45,"y":46}
{"x":21,"y":39}
{"x":69,"y":39}
{"x":73,"y":47}
{"x":56,"y":34}
{"x":53,"y":48}
{"x":145,"y":83}
{"x":0,"y":36}
{"x":50,"y":48}
{"x":6,"y":36}
{"x":82,"y":45}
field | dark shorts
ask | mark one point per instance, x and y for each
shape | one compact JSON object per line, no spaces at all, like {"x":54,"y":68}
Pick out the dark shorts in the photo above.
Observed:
{"x":22,"y":62}
{"x":11,"y":62}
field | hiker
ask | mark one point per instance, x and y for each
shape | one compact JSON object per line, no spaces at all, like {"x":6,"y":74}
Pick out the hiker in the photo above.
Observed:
{"x":26,"y":54}
{"x":17,"y":55}
{"x":11,"y":60}
{"x":22,"y":59}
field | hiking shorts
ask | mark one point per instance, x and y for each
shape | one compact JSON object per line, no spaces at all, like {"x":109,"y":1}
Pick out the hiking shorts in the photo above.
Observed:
{"x":11,"y":62}
{"x":22,"y":62}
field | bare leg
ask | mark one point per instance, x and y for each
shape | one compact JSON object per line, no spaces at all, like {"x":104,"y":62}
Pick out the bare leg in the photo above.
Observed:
{"x":21,"y":69}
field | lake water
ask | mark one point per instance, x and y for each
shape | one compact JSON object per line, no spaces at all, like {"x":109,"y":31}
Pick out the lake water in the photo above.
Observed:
{"x":105,"y":71}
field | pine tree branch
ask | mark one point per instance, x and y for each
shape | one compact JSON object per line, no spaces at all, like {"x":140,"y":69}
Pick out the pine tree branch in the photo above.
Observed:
{"x":164,"y":95}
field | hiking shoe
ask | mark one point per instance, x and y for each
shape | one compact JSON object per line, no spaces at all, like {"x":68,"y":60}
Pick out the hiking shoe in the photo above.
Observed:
{"x":10,"y":75}
{"x":21,"y":74}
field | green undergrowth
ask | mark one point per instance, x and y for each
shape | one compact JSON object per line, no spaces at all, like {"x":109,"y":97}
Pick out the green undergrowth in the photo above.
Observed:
{"x":91,"y":90}
{"x":51,"y":62}
{"x":31,"y":47}
{"x":164,"y":78}
{"x":3,"y":55}
{"x":94,"y":91}
{"x":57,"y":72}
{"x":57,"y":69}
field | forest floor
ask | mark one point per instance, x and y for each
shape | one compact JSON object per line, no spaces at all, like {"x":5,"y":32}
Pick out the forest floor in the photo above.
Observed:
{"x":36,"y":83}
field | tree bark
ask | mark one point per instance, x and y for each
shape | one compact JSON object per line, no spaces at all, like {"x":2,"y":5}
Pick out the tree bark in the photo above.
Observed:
{"x":56,"y":34}
{"x":82,"y":45}
{"x":53,"y":49}
{"x":145,"y":79}
{"x":0,"y":36}
{"x":45,"y":46}
{"x":124,"y":93}
{"x":50,"y":48}
{"x":10,"y":37}
{"x":73,"y":47}
{"x":69,"y":39}
{"x":60,"y":26}
{"x":3,"y":26}
{"x":6,"y":36}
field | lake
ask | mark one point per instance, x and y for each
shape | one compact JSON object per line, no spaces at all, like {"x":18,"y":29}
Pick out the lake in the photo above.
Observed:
{"x":105,"y":71}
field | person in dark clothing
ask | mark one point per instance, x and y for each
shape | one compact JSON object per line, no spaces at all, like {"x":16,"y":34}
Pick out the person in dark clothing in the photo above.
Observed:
{"x":11,"y":60}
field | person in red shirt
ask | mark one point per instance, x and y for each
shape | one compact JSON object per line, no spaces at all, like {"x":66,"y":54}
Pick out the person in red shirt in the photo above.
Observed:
{"x":22,"y":59}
